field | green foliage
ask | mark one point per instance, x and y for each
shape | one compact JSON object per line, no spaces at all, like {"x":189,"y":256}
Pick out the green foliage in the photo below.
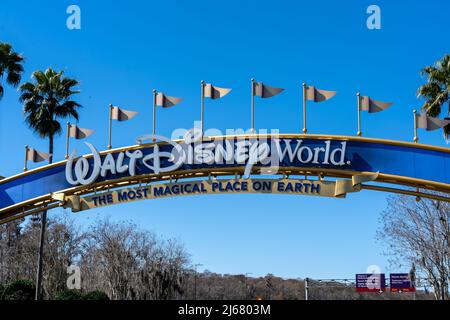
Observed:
{"x":18,"y":290}
{"x":46,"y":99}
{"x":73,"y":294}
{"x":437,"y":89}
{"x":25,"y":290}
{"x":68,"y":294}
{"x":96,"y":295}
{"x":10,"y":65}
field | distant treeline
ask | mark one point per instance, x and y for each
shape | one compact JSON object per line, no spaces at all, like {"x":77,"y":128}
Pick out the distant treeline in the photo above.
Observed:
{"x":216,"y":286}
{"x":117,"y":260}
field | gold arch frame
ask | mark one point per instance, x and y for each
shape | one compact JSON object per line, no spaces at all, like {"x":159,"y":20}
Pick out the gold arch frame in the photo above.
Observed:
{"x":47,"y":201}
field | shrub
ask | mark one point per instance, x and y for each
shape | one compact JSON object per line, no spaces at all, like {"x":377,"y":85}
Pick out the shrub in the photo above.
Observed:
{"x":96,"y":295}
{"x":68,"y":294}
{"x":18,"y":290}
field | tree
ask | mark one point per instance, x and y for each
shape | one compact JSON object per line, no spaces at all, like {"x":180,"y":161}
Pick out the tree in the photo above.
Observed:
{"x":46,"y":101}
{"x":19,"y":244}
{"x":63,"y":248}
{"x":10,"y":249}
{"x":10,"y":65}
{"x":127,"y":263}
{"x":419,"y":232}
{"x":437,"y":89}
{"x":116,"y":260}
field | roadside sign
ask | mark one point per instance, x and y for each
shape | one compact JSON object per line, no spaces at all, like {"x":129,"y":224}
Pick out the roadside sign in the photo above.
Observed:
{"x":369,"y":282}
{"x":401,"y":282}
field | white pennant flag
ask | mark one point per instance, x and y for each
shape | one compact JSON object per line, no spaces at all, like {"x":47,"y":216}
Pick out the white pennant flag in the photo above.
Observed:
{"x":122,"y":114}
{"x":318,"y":95}
{"x":372,"y":106}
{"x":214,"y":92}
{"x":79,"y":133}
{"x":265,"y":91}
{"x":166,"y":101}
{"x":36,"y":156}
{"x":430,"y":123}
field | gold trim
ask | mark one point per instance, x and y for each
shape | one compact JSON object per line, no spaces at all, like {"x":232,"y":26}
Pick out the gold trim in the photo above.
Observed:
{"x":46,"y":206}
{"x":184,"y":174}
{"x":28,"y":213}
{"x":407,"y":192}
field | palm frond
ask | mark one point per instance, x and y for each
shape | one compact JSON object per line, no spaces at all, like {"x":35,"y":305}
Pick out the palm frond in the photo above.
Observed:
{"x":13,"y":78}
{"x":11,"y":65}
{"x":67,"y":109}
{"x":436,"y":91}
{"x":46,"y":100}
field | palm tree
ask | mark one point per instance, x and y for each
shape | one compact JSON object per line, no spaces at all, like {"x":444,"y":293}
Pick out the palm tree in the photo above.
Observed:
{"x":10,"y":65}
{"x":437,"y":89}
{"x":46,"y":100}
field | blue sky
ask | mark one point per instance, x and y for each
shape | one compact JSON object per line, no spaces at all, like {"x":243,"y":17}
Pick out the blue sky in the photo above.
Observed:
{"x":125,"y":49}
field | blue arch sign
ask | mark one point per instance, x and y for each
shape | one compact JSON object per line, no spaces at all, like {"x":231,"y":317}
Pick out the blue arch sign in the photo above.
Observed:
{"x":397,"y":162}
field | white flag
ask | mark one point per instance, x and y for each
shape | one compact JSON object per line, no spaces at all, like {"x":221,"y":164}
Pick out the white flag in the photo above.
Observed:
{"x":430,"y":123}
{"x":79,"y":133}
{"x":36,"y":156}
{"x":318,"y":95}
{"x":372,"y":106}
{"x":265,"y":91}
{"x":214,"y":92}
{"x":166,"y":101}
{"x":122,"y":114}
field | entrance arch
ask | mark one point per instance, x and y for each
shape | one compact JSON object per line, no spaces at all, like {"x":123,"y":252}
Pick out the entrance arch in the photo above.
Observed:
{"x":338,"y":164}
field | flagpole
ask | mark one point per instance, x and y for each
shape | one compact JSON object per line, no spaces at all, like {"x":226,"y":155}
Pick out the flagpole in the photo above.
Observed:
{"x":202,"y":104}
{"x":252,"y":106}
{"x":416,"y":138}
{"x":26,"y":158}
{"x":110,"y":126}
{"x":67,"y":140}
{"x":304,"y":108}
{"x":154,"y":112}
{"x":358,"y":95}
